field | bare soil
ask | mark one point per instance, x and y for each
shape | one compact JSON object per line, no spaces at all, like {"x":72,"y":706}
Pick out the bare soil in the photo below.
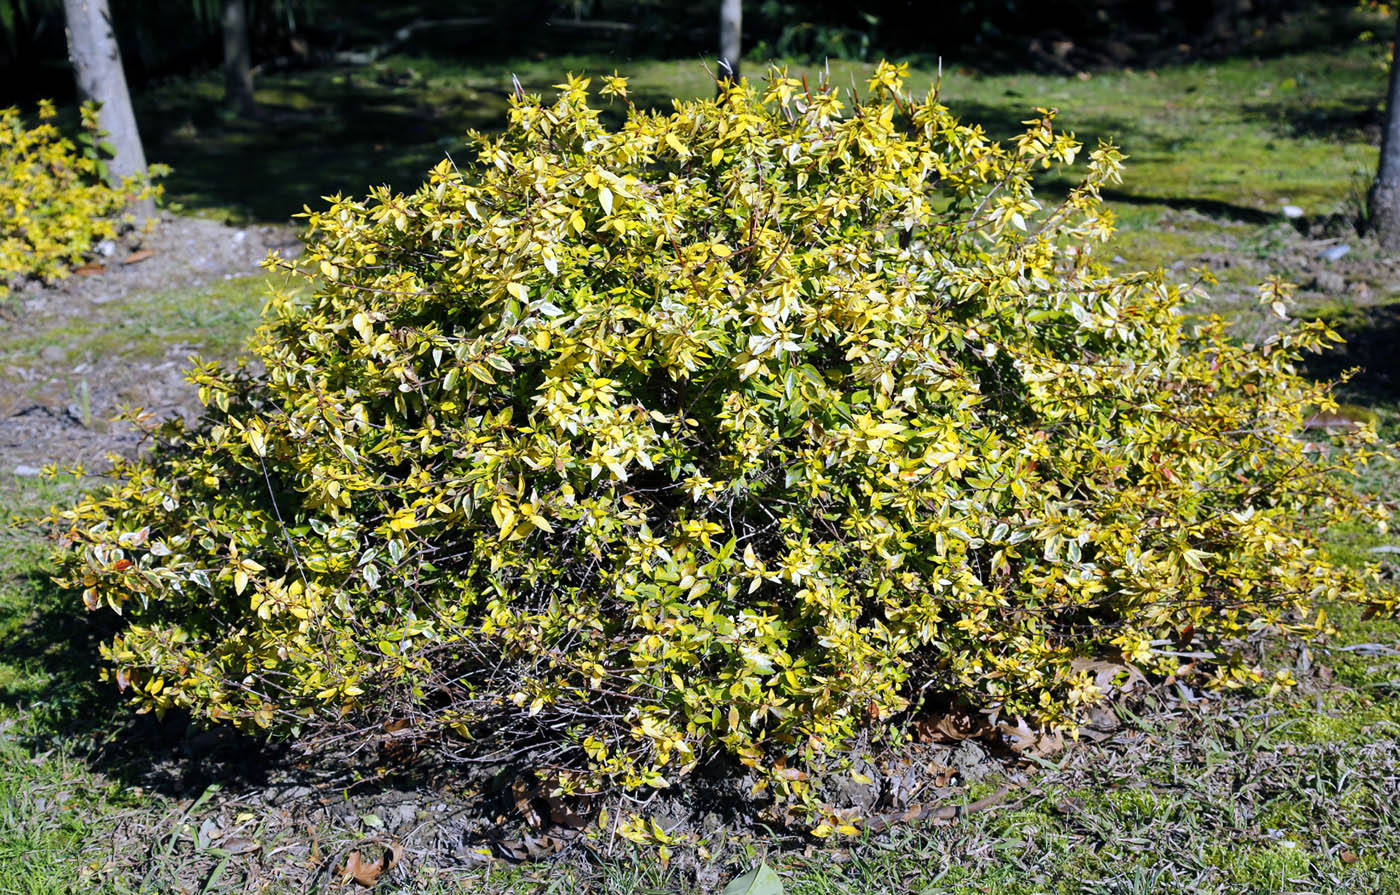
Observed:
{"x":72,"y":366}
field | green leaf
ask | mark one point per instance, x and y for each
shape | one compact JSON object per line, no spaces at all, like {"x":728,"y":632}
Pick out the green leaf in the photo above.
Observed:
{"x":482,"y":373}
{"x":728,"y":549}
{"x":761,"y":880}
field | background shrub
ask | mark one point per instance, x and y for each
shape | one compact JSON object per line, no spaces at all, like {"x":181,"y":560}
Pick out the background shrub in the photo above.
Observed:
{"x":55,"y":202}
{"x":746,"y":429}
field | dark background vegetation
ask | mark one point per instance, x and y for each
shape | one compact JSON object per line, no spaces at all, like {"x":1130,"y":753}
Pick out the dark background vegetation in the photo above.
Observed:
{"x":161,"y":39}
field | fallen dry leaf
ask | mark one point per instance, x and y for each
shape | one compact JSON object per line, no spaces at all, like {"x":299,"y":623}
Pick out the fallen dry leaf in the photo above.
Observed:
{"x":367,"y":873}
{"x":543,"y":846}
{"x":524,"y":794}
{"x":90,"y":270}
{"x":401,"y":742}
{"x":1349,"y":857}
{"x":512,"y":850}
{"x":951,"y":727}
{"x":571,"y":813}
{"x":1103,"y":718}
{"x":1109,"y":676}
{"x":1022,"y":738}
{"x":942,"y":775}
{"x":936,"y":814}
{"x":237,"y":845}
{"x":139,"y":255}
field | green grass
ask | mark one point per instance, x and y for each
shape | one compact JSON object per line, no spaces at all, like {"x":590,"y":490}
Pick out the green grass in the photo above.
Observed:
{"x":155,"y":329}
{"x":52,"y":806}
{"x":26,"y":679}
{"x":1233,"y":140}
{"x":217,"y":318}
{"x":64,"y":827}
{"x":1290,"y":793}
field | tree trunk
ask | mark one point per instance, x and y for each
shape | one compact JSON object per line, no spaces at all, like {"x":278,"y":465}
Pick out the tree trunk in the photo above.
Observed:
{"x":97,"y":65}
{"x":238,"y":59}
{"x":731,"y":17}
{"x":1385,"y":192}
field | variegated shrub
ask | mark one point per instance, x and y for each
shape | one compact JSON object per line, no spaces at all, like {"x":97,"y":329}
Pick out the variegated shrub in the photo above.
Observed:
{"x":744,"y":429}
{"x":54,"y":200}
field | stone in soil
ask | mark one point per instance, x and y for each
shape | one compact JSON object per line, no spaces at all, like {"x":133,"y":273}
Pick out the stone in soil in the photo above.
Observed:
{"x":1329,"y":282}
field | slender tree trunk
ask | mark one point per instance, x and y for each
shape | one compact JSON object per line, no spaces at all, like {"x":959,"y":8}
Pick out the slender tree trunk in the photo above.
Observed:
{"x":238,"y":58}
{"x":97,"y":65}
{"x":1385,"y":192}
{"x":731,"y":18}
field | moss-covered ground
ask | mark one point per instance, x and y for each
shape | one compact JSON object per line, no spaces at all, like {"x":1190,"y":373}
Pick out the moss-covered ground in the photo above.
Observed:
{"x":1294,"y":792}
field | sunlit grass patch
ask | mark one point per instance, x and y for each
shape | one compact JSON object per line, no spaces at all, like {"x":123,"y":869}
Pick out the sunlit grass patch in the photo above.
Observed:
{"x":216,"y":319}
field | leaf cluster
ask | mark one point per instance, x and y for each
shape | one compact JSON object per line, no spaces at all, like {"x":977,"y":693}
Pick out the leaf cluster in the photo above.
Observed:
{"x":55,"y":202}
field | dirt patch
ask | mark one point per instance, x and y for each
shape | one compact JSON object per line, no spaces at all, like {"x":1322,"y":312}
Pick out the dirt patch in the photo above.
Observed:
{"x":73,"y":353}
{"x":294,"y":821}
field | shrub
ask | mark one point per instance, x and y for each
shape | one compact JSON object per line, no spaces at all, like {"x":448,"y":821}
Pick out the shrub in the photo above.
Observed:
{"x":54,"y":200}
{"x":747,"y":429}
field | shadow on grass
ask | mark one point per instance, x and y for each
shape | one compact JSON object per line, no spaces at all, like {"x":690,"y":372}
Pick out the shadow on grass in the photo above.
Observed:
{"x":1340,"y":119}
{"x":67,"y":705}
{"x":317,"y":133}
{"x":1372,"y":333}
{"x":1214,"y":208}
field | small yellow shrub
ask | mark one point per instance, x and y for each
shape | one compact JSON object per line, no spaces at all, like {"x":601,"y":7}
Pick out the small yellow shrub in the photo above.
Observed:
{"x":744,"y":429}
{"x":54,"y":201}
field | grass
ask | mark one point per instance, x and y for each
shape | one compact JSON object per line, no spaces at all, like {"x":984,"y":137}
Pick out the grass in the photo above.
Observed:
{"x":1236,"y":139}
{"x":1290,"y":793}
{"x":217,"y":318}
{"x":51,"y":804}
{"x":94,"y":359}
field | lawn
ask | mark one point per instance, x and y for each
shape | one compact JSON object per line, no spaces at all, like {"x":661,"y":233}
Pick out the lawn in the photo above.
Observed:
{"x":1292,"y":792}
